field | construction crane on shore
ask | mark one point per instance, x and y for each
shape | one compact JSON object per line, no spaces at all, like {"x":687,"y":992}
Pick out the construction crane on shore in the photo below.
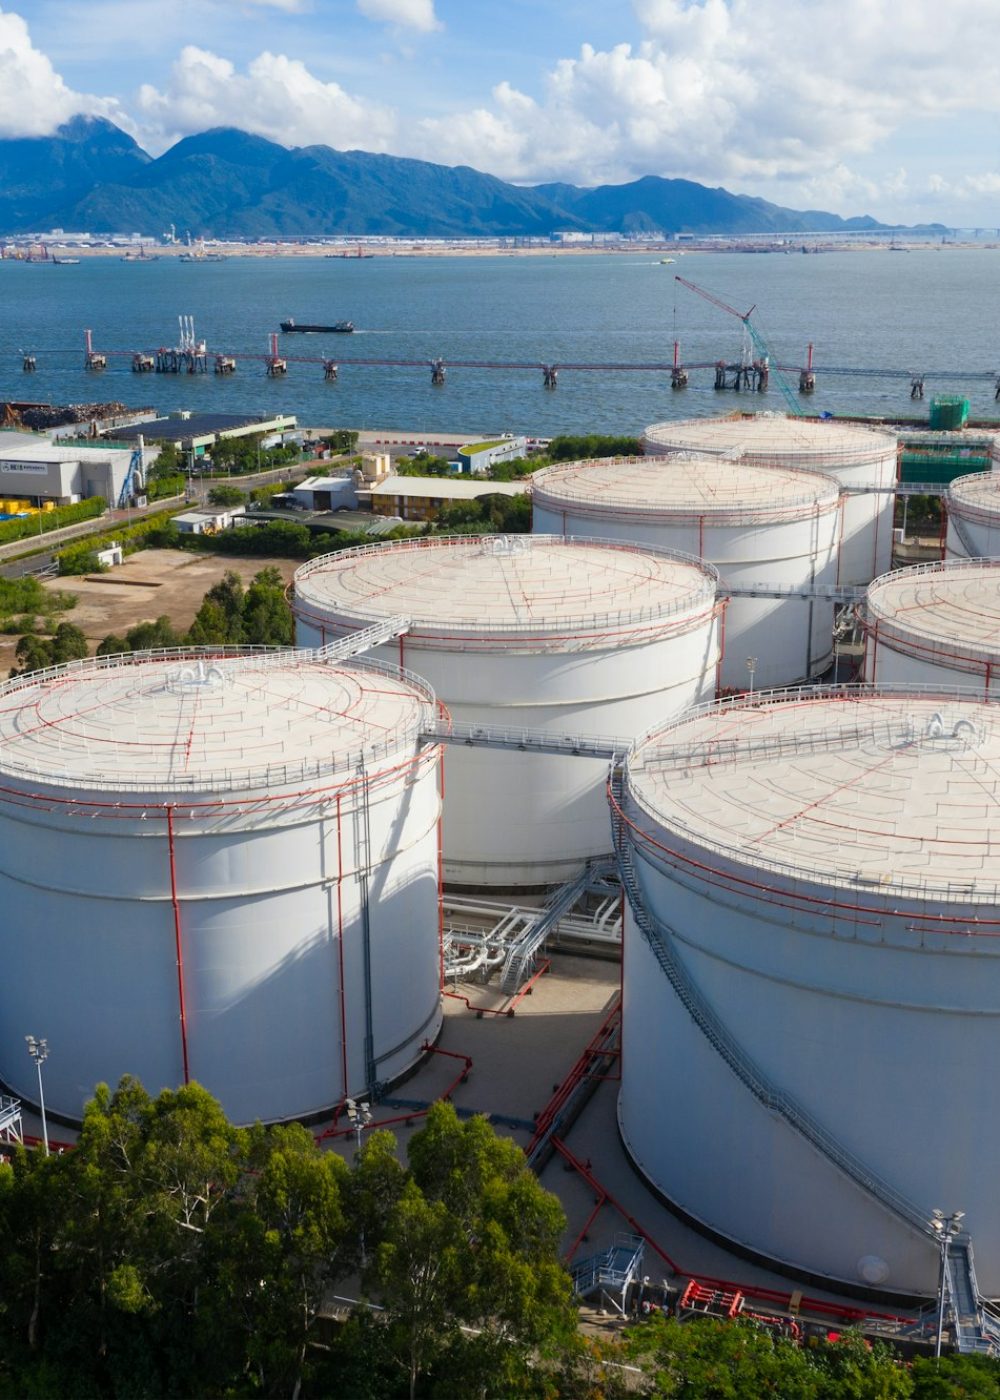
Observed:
{"x":757,"y":340}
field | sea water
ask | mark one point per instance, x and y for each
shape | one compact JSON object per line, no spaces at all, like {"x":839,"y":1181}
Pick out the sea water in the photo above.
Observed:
{"x":932,"y":309}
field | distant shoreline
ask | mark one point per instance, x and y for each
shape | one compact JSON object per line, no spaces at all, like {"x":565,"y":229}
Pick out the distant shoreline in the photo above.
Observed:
{"x":222,"y":252}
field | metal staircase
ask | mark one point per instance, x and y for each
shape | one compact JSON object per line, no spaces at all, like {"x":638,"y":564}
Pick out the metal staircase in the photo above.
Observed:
{"x":611,"y":1272}
{"x":520,"y":959}
{"x":975,"y":1329}
{"x":366,"y":639}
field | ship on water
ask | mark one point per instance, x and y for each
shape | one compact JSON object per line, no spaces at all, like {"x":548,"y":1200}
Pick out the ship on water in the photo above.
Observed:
{"x":306,"y":328}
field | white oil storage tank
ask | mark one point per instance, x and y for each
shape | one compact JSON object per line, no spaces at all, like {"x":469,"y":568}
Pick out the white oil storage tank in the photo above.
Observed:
{"x":935,"y":624}
{"x":862,"y":460}
{"x":812,"y":976}
{"x":570,"y":637}
{"x":758,"y":525}
{"x":973,"y":506}
{"x":222,"y":868}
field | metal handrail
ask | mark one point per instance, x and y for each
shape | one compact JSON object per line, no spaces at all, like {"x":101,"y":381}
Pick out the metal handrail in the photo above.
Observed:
{"x":825,"y":492}
{"x":485,"y":626}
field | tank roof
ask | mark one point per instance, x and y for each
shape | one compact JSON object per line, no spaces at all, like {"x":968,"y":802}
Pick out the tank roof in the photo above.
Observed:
{"x":888,"y":791}
{"x":191,"y":720}
{"x":506,"y":587}
{"x":766,"y":434}
{"x":978,"y":492}
{"x":940,"y":609}
{"x":686,"y":485}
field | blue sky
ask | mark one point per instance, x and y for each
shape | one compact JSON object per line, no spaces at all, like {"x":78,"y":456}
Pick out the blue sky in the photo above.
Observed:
{"x":850,"y":105}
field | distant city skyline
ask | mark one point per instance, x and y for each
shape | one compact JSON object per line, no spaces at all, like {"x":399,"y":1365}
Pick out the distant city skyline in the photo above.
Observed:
{"x":854,"y":106}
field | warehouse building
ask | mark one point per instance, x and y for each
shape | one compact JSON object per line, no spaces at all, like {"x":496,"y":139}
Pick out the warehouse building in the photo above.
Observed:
{"x":39,"y":472}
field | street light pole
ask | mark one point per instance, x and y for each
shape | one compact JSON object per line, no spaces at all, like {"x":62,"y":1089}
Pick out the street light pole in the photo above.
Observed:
{"x":39,"y":1052}
{"x":945,"y":1227}
{"x":360,"y":1116}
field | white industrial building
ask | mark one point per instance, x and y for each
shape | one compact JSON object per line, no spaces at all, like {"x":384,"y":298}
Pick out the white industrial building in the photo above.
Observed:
{"x":44,"y":472}
{"x":757,"y":525}
{"x":221,"y":868}
{"x":812,"y":977}
{"x":935,"y":624}
{"x":862,"y":460}
{"x":527,"y":632}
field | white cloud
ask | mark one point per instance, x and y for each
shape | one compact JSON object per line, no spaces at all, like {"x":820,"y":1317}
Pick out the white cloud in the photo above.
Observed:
{"x":292,"y":7}
{"x":408,"y":14}
{"x":34,"y":100}
{"x":743,"y":92}
{"x":276,"y":97}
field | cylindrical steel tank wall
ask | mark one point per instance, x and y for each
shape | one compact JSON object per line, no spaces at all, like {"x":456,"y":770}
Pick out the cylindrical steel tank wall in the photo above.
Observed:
{"x":571,"y":665}
{"x":973,"y":506}
{"x":271,"y":933}
{"x":762,"y":527}
{"x":935,"y":624}
{"x":869,"y":1000}
{"x":857,"y":458}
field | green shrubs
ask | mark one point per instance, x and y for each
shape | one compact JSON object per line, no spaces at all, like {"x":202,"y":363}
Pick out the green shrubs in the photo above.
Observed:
{"x":25,"y":527}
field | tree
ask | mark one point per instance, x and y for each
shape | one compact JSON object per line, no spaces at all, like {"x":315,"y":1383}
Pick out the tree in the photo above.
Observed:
{"x":219,"y":620}
{"x":226,"y":495}
{"x":151,"y":636}
{"x":571,"y":449}
{"x":267,"y":616}
{"x":169,"y":461}
{"x":956,"y":1378}
{"x":343,"y":440}
{"x":472,"y":1240}
{"x":69,"y":644}
{"x":31,"y":654}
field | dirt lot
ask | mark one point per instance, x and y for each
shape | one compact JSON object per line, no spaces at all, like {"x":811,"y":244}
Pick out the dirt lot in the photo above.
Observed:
{"x":148,"y":585}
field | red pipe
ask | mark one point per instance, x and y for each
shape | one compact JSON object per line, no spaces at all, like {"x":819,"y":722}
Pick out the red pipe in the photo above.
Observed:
{"x":600,"y":1190}
{"x":440,"y":862}
{"x":340,"y":949}
{"x":178,"y":942}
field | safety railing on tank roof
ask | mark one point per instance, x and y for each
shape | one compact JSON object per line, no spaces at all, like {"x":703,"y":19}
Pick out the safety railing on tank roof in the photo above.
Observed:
{"x":660,"y":939}
{"x":780,"y":745}
{"x":827,"y":495}
{"x":255,"y":658}
{"x":578,"y":622}
{"x":784,"y":442}
{"x":428,"y":721}
{"x":932,"y":566}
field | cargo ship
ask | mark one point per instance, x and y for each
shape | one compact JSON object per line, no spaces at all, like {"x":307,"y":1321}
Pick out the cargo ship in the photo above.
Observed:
{"x":342,"y":327}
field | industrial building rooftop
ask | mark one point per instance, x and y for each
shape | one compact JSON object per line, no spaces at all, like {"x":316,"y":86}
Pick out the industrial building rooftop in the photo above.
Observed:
{"x":188,"y":721}
{"x":525,"y":586}
{"x":886,"y":792}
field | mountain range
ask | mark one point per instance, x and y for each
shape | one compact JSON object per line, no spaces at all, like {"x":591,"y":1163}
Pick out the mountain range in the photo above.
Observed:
{"x":225,"y":183}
